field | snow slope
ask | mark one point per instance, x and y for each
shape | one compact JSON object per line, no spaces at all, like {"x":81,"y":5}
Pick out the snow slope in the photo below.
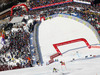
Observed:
{"x":81,"y":67}
{"x":59,"y":30}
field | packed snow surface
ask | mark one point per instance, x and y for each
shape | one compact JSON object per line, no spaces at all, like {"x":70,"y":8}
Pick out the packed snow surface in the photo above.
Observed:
{"x":58,"y":30}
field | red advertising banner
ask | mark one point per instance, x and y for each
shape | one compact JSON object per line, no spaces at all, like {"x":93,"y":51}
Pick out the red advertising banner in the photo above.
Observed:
{"x":51,"y":4}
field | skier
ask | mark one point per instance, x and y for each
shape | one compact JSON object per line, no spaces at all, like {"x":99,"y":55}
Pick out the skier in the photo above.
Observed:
{"x":54,"y":69}
{"x":63,"y":66}
{"x":62,"y":63}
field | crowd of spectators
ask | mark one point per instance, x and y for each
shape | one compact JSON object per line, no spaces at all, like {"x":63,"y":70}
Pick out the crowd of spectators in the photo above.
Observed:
{"x":36,"y":3}
{"x":16,"y":51}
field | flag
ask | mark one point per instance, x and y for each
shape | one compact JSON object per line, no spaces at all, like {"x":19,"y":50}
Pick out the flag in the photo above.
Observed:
{"x":2,"y":41}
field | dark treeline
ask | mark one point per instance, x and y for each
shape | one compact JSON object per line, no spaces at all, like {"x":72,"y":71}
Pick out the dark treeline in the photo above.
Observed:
{"x":5,"y":4}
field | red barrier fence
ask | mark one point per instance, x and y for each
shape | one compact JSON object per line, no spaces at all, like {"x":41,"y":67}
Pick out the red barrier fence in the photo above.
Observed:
{"x":51,"y":61}
{"x":51,"y":4}
{"x":55,"y":55}
{"x":69,"y":42}
{"x":52,"y":57}
{"x":17,"y":6}
{"x":95,"y":46}
{"x":42,"y":18}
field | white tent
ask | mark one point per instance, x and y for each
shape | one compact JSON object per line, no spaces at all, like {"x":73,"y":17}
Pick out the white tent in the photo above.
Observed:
{"x":26,"y":17}
{"x":16,"y":19}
